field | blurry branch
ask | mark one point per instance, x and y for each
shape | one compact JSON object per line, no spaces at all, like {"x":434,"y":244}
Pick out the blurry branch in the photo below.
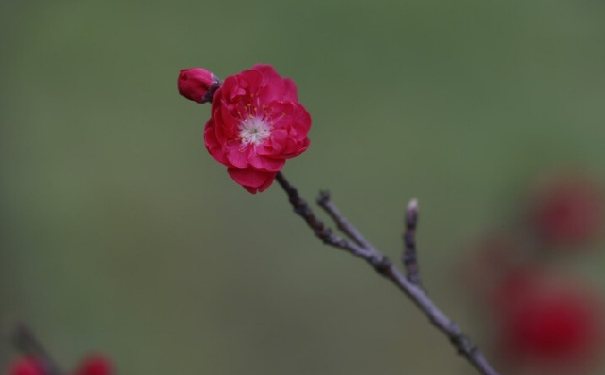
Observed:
{"x":358,"y":246}
{"x":25,"y":341}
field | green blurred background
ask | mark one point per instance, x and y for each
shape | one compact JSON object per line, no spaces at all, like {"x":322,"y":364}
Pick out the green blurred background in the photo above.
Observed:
{"x":120,"y":234}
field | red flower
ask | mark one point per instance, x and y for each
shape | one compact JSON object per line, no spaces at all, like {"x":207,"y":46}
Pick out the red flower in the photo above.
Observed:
{"x":256,"y":124}
{"x":568,"y":209}
{"x":25,"y":366}
{"x":197,"y":84}
{"x":94,"y":365}
{"x":546,"y":322}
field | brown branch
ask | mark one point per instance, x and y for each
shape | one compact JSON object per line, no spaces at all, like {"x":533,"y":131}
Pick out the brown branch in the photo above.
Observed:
{"x":384,"y":267}
{"x":324,"y":201}
{"x":319,"y":228}
{"x":410,"y":259}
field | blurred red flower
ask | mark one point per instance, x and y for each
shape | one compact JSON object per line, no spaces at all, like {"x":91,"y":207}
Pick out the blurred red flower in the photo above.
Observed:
{"x":567,"y":209}
{"x":27,"y":365}
{"x":546,"y":321}
{"x":256,"y":124}
{"x":94,"y":365}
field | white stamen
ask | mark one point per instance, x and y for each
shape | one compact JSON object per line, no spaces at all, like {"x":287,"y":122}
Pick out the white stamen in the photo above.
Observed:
{"x":253,"y":131}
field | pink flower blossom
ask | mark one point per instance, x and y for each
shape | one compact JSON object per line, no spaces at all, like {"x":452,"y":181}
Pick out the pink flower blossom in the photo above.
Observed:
{"x":256,"y":124}
{"x":197,"y":84}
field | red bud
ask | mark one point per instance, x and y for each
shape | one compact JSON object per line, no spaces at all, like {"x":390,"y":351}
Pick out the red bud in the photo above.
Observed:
{"x":197,"y":84}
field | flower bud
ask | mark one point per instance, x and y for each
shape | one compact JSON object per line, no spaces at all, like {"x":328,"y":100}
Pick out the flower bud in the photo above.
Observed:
{"x":197,"y":84}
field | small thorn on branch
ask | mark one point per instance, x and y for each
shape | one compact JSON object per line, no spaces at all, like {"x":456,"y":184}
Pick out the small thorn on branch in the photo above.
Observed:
{"x":410,"y":258}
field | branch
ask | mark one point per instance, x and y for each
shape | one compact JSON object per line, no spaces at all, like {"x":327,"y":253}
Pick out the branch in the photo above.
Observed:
{"x":359,"y":247}
{"x":25,"y":341}
{"x":319,"y":228}
{"x":324,"y":201}
{"x":410,"y":259}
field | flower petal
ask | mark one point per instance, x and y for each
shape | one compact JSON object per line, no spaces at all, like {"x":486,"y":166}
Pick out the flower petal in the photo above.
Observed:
{"x":252,"y":179}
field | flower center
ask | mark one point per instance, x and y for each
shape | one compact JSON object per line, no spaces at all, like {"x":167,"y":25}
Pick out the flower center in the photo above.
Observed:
{"x":253,"y":130}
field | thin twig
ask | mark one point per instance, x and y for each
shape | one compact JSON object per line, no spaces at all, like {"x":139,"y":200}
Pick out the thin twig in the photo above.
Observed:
{"x":410,"y":258}
{"x":324,"y":201}
{"x":384,"y":267}
{"x":26,"y":342}
{"x":321,"y":231}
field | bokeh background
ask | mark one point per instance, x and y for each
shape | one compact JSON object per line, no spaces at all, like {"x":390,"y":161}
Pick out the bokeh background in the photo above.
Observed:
{"x":120,"y":234}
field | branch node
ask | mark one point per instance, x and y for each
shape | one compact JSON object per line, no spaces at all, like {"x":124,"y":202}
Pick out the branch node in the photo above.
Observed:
{"x":322,"y":197}
{"x":464,"y":345}
{"x":381,"y":263}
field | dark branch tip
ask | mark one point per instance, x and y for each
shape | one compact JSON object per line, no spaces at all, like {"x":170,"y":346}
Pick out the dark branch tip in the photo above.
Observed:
{"x":411,"y":214}
{"x":323,"y":196}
